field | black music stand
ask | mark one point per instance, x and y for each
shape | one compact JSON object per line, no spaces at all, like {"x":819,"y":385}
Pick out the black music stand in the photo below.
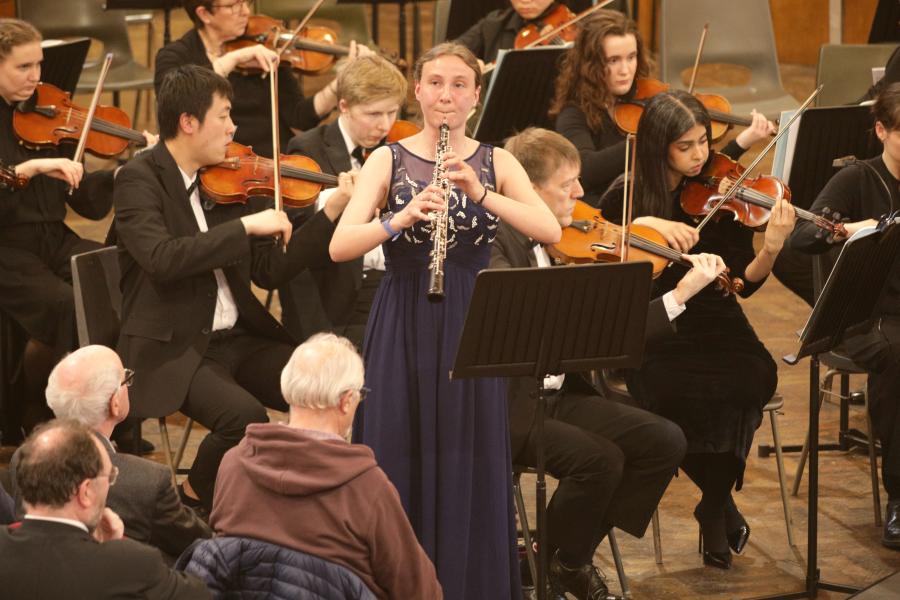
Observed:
{"x":843,"y":309}
{"x":823,"y":135}
{"x":63,"y":62}
{"x":542,"y":321}
{"x":507,"y":109}
{"x":164,"y":5}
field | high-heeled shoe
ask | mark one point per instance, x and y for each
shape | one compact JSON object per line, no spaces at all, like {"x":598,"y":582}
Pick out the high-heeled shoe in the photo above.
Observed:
{"x":714,"y":528}
{"x":737,"y":536}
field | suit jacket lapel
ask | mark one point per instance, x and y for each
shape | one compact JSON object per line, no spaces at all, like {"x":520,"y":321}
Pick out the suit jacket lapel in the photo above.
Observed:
{"x":170,"y":176}
{"x":335,"y":149}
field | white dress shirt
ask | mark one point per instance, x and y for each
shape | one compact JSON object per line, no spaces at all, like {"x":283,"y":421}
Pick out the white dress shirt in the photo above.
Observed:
{"x":71,"y":522}
{"x":226,"y":310}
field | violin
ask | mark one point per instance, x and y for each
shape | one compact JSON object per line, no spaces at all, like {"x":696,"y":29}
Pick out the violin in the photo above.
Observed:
{"x":313,"y":51}
{"x":9,"y":180}
{"x":530,"y":35}
{"x":50,"y":117}
{"x":400,"y":130}
{"x":591,"y":238}
{"x":244,"y":173}
{"x":627,"y":111}
{"x":751,"y":204}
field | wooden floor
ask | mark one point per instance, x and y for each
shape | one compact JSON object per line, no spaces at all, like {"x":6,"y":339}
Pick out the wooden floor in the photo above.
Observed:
{"x":849,"y":549}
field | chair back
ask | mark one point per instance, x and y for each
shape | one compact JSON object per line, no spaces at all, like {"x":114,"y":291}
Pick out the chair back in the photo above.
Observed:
{"x":243,"y":567}
{"x":80,"y":18}
{"x":741,"y":36}
{"x":63,"y":62}
{"x":98,"y":298}
{"x":845,"y":71}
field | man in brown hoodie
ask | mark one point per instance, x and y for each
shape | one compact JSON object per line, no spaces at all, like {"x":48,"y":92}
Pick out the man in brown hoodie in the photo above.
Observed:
{"x":302,"y":486}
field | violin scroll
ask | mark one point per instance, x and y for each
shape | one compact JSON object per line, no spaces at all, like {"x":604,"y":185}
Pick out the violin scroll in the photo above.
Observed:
{"x":9,"y":180}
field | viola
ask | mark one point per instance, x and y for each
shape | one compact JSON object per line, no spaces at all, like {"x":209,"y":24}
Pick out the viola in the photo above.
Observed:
{"x":627,"y":111}
{"x":400,"y":130}
{"x":10,"y":180}
{"x":530,"y":35}
{"x":244,"y":173}
{"x":50,"y":117}
{"x":591,"y":238}
{"x":752,"y":204}
{"x":312,"y":52}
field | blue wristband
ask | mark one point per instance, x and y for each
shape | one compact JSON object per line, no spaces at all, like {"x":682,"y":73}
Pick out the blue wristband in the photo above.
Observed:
{"x":386,"y":225}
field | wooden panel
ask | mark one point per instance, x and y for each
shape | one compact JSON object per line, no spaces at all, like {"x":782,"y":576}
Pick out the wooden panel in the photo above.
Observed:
{"x":801,"y":27}
{"x":858,"y":16}
{"x":7,"y":8}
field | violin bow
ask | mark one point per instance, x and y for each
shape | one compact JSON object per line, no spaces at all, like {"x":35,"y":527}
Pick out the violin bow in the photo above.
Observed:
{"x":628,"y":194}
{"x":89,"y":119}
{"x":737,"y":183}
{"x":697,"y":59}
{"x":585,"y":13}
{"x":276,"y":142}
{"x":309,"y":14}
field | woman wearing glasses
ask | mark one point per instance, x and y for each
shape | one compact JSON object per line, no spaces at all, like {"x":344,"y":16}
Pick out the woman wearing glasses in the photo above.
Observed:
{"x":220,"y":21}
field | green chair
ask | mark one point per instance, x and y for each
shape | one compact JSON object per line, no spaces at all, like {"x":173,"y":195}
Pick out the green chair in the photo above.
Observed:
{"x":845,"y":71}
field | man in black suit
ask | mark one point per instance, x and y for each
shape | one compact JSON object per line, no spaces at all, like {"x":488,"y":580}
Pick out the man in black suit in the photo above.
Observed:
{"x":69,"y":545}
{"x":197,"y":337}
{"x":90,"y":386}
{"x":613,"y":461}
{"x":337,"y":298}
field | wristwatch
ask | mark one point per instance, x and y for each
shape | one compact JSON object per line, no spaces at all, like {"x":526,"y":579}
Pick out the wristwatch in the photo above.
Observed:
{"x":386,"y":224}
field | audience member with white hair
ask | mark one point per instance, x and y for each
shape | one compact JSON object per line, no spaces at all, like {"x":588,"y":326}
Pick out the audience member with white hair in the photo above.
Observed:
{"x":90,"y":386}
{"x":301,"y":485}
{"x":69,"y":544}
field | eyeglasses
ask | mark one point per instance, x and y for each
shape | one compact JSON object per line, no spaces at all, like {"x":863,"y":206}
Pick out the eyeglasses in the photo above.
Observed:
{"x":112,"y":475}
{"x":128,"y":378}
{"x":235,"y":7}
{"x":363,"y":392}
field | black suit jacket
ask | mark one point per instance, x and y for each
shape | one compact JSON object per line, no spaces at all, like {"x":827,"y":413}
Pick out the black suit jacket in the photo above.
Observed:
{"x":511,"y":249}
{"x":168,"y":286}
{"x":338,"y":284}
{"x":43,"y":560}
{"x":145,"y":499}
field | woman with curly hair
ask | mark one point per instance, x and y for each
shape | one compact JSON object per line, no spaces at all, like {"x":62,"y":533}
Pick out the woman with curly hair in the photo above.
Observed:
{"x":600,"y":69}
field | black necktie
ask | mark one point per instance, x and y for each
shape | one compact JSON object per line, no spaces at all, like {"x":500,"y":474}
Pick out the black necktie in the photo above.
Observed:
{"x":361,"y":154}
{"x":193,"y":185}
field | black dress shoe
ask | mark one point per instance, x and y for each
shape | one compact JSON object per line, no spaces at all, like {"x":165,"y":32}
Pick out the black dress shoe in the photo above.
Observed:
{"x":584,"y":582}
{"x":125,"y":444}
{"x":890,"y":536}
{"x":196,"y":505}
{"x":712,"y":531}
{"x":738,"y":530}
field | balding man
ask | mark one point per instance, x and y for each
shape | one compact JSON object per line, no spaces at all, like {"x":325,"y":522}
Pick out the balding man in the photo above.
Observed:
{"x":70,"y":545}
{"x":302,"y":486}
{"x":90,"y":386}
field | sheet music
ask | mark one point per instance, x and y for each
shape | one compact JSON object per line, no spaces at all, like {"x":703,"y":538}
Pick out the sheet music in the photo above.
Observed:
{"x":784,"y":147}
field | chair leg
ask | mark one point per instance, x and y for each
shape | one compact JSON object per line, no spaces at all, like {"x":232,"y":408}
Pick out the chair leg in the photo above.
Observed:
{"x":523,"y":521}
{"x":182,"y":444}
{"x":779,"y":462}
{"x":827,"y":382}
{"x":167,"y":448}
{"x":873,"y":462}
{"x":657,"y":539}
{"x":620,"y":568}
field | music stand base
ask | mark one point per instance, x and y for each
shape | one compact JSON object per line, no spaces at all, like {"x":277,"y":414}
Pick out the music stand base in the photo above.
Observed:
{"x":811,"y":591}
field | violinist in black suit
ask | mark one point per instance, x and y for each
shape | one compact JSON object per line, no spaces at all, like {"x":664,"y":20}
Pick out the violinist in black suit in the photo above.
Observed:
{"x":337,"y":298}
{"x":198,"y":339}
{"x":613,"y":461}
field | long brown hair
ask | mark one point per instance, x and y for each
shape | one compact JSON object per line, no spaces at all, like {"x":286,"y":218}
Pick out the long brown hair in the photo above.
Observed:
{"x":582,"y":74}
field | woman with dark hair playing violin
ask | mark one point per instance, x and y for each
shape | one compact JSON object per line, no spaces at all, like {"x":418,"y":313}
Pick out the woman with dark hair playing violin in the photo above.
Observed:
{"x":35,"y":277}
{"x":714,"y":375}
{"x":603,"y":66}
{"x":217,"y":22}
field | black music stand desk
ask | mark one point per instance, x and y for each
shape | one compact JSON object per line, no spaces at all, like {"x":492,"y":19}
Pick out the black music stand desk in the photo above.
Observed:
{"x":519,"y":94}
{"x":843,"y":309}
{"x":545,"y":321}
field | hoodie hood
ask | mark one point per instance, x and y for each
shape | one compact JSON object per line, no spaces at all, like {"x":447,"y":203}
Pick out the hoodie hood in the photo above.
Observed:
{"x":289,"y":462}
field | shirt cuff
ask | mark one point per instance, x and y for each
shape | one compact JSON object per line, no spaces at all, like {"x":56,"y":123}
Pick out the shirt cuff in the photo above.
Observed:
{"x":673,"y":309}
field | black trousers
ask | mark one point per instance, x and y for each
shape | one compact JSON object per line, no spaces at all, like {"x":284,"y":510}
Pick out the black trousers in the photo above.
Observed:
{"x":878,"y":351}
{"x":613,"y":463}
{"x":238,"y":378}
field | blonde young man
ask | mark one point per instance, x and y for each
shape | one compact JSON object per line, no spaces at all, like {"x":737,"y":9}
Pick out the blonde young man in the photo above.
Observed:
{"x":370,"y":92}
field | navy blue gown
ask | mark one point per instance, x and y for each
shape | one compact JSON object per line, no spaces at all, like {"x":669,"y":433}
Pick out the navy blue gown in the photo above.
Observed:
{"x":444,"y":444}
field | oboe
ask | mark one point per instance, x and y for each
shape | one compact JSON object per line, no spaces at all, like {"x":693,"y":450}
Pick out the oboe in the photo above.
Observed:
{"x":440,"y":220}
